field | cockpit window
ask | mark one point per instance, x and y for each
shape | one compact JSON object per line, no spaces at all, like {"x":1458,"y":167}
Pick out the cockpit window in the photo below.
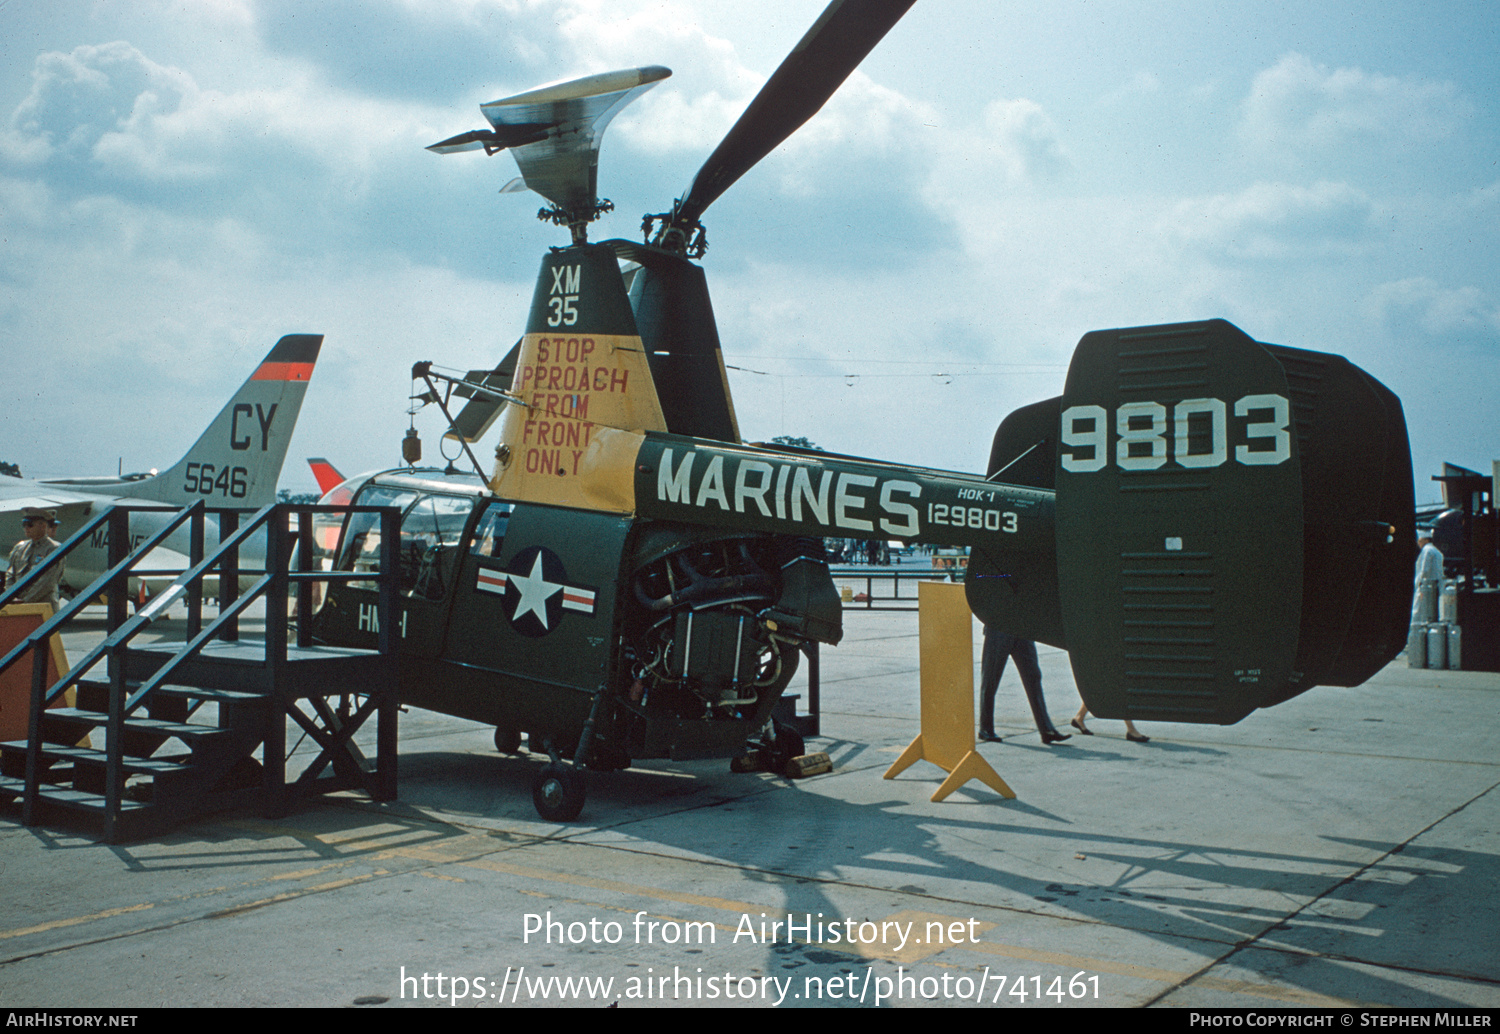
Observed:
{"x":360,"y":549}
{"x":489,"y":533}
{"x":437,"y":520}
{"x":430,"y":535}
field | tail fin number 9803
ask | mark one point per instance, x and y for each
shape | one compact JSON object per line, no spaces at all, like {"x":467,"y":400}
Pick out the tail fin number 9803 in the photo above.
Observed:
{"x":1195,"y":434}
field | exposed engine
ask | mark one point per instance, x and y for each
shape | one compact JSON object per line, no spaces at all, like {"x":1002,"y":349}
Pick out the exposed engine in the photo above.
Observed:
{"x":717,"y":629}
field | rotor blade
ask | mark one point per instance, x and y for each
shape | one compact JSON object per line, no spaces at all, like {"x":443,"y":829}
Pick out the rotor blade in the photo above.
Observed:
{"x":835,"y":45}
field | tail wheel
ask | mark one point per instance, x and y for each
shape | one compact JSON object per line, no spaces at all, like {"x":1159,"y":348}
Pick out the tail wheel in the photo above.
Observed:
{"x":558,"y":792}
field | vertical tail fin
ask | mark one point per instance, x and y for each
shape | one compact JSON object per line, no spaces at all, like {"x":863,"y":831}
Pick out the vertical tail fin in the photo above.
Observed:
{"x":1233,"y":522}
{"x":327,"y":475}
{"x":237,"y":460}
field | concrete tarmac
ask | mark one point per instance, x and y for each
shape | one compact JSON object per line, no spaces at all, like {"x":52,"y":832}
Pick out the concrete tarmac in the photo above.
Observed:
{"x":1342,"y":849}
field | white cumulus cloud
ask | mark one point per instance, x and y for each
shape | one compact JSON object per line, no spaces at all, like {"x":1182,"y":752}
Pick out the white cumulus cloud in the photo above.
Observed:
{"x":1421,"y":303}
{"x":1297,"y":105}
{"x":1274,"y":220}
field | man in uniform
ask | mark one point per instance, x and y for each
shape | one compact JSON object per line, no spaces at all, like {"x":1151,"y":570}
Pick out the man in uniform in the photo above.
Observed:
{"x":31,"y":551}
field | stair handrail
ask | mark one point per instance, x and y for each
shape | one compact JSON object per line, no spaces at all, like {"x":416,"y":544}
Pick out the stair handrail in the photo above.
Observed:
{"x":258,"y":588}
{"x":98,"y":585}
{"x":119,"y":529}
{"x":147,"y":614}
{"x":142,"y":618}
{"x":274,"y":579}
{"x":282,"y":554}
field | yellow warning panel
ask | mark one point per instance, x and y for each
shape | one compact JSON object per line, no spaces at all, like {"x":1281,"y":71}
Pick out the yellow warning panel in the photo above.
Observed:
{"x":947,"y":659}
{"x":585,"y":402}
{"x":18,"y":621}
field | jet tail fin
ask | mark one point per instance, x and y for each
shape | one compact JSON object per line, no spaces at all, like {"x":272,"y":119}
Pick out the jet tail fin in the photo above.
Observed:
{"x":237,"y":460}
{"x":325,"y":473}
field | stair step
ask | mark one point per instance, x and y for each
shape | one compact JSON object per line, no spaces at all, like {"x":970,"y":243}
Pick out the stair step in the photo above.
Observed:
{"x":158,"y":726}
{"x":173,"y":690}
{"x":77,"y":799}
{"x":221,"y":695}
{"x":88,"y":756}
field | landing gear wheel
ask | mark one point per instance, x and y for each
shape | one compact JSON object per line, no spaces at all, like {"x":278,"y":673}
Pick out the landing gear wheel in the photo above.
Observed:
{"x":787,"y":745}
{"x":507,"y":741}
{"x":557,"y":791}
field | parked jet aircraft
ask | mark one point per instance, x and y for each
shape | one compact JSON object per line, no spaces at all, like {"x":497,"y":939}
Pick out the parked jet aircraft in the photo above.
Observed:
{"x":236,"y":462}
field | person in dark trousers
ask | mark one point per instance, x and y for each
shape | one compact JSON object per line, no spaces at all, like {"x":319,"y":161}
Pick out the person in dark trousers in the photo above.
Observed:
{"x":997,"y":648}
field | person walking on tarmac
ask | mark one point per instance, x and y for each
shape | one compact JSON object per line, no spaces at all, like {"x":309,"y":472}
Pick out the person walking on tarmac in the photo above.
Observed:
{"x":998,"y":647}
{"x":32,"y":550}
{"x":1132,"y":734}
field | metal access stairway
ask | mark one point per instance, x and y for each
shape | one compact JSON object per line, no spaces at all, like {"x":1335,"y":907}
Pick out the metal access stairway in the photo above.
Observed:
{"x":166,"y":731}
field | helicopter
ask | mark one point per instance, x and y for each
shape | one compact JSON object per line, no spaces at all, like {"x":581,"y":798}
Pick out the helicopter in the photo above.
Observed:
{"x":1208,"y":524}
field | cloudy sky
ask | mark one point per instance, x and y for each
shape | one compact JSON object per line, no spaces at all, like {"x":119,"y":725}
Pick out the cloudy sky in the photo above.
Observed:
{"x":183,"y":181}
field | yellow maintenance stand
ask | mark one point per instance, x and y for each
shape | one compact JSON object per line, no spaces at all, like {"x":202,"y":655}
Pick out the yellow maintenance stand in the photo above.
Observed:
{"x":947,"y":659}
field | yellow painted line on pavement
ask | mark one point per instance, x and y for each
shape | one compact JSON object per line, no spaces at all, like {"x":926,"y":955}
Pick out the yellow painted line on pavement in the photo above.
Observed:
{"x":58,"y":924}
{"x":598,"y":883}
{"x":293,"y":895}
